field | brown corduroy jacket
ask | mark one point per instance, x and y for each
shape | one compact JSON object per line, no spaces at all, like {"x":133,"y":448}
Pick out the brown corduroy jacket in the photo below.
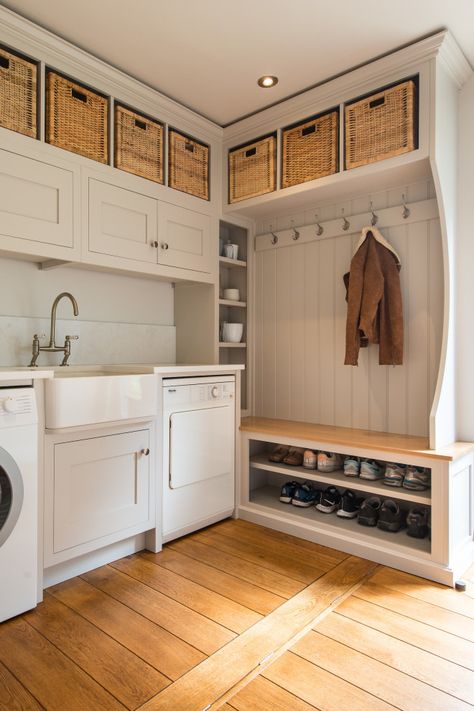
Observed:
{"x":374,"y":303}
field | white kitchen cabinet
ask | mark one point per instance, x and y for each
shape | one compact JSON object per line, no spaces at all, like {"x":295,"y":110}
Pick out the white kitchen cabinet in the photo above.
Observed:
{"x":98,"y":490}
{"x":184,"y":238}
{"x":37,"y":206}
{"x":122,"y":223}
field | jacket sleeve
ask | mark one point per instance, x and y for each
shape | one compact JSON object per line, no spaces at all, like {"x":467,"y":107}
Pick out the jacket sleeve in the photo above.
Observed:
{"x":372,"y":292}
{"x":354,"y":300}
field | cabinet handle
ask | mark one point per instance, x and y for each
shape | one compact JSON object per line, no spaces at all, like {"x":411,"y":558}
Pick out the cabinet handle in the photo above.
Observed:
{"x":154,"y":244}
{"x":164,"y":245}
{"x":145,"y":451}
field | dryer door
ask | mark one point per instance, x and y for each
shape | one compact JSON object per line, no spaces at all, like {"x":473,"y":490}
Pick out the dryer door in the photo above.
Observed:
{"x":11,"y":494}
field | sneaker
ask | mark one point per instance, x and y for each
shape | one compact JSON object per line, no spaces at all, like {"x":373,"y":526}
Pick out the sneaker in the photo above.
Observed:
{"x":305,"y":496}
{"x":352,"y":466}
{"x":288,"y":491}
{"x":417,"y":478}
{"x":370,"y":469}
{"x":391,"y":517}
{"x":369,"y":511}
{"x":330,"y":500}
{"x":417,"y":522}
{"x":350,"y":505}
{"x":310,"y":459}
{"x":329,"y":462}
{"x":394,"y":474}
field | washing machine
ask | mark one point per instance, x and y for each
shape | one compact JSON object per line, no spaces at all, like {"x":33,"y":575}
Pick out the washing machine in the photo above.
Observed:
{"x":18,"y":500}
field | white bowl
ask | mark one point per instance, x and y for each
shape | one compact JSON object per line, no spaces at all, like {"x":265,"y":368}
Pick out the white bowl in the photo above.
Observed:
{"x":232,"y":294}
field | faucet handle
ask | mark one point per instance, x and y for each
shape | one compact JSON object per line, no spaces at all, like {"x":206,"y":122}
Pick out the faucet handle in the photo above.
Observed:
{"x":39,"y":336}
{"x":72,"y":338}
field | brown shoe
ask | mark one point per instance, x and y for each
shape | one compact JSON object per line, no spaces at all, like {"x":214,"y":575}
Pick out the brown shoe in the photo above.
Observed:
{"x":279,"y":453}
{"x":294,"y":457}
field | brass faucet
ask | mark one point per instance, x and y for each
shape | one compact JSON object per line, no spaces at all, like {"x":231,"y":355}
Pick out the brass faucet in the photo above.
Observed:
{"x":52,"y":347}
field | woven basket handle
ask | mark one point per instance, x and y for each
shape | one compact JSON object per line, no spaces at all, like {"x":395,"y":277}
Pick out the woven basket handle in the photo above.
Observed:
{"x":4,"y":63}
{"x":140,"y":124}
{"x":308,"y":130}
{"x":79,"y":96}
{"x":189,"y":146}
{"x":251,"y":152}
{"x":377,"y":102}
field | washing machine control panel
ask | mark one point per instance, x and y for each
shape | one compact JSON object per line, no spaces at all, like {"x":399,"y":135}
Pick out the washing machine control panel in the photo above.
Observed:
{"x":17,"y":406}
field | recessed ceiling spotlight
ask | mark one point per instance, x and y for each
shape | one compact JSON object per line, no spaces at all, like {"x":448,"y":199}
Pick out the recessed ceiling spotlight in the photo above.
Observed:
{"x":267,"y":81}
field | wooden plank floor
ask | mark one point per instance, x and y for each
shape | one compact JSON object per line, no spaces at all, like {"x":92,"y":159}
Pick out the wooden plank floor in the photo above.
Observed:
{"x":242,"y":618}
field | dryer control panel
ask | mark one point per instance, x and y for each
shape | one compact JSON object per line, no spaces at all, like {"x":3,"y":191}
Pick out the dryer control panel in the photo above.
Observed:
{"x":17,"y":407}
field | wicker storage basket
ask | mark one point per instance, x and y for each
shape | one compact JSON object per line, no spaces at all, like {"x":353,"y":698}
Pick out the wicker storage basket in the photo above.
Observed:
{"x":310,"y":149}
{"x":138,"y":144}
{"x":252,"y":169}
{"x":18,"y":94}
{"x":381,"y":125}
{"x":76,"y":118}
{"x":188,"y":165}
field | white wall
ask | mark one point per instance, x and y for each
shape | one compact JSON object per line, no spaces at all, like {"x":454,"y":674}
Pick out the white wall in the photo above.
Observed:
{"x":121,"y":318}
{"x":465,"y":267}
{"x":300,"y":329}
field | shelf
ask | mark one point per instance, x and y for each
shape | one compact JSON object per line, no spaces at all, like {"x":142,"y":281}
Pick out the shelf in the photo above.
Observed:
{"x":232,"y":345}
{"x":226,"y":262}
{"x":374,"y":488}
{"x":267,"y":497}
{"x":229,"y":302}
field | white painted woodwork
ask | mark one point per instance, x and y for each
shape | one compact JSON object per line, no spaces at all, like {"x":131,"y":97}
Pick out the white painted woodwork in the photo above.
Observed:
{"x":443,"y":559}
{"x":36,"y":204}
{"x":184,"y":238}
{"x":122,"y":223}
{"x":300,"y":313}
{"x":98,"y":490}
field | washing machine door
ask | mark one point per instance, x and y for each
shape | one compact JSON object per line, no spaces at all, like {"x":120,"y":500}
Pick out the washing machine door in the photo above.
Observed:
{"x":11,"y":494}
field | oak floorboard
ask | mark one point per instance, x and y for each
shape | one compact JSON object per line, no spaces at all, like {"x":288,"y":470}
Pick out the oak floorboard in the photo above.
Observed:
{"x":425,"y":590}
{"x":55,"y":681}
{"x":316,"y":686}
{"x":230,"y":586}
{"x":131,"y":680}
{"x":156,"y":646}
{"x":285,"y":565}
{"x":413,"y":631}
{"x":377,"y":678}
{"x":264,"y":695}
{"x":276,"y":583}
{"x":13,"y":695}
{"x":417,"y":663}
{"x":217,"y":676}
{"x":195,"y":629}
{"x":232,"y":615}
{"x":314,"y":553}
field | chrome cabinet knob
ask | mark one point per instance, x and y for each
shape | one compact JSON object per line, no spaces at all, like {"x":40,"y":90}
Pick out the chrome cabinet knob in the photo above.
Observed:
{"x":145,"y":451}
{"x":154,"y":244}
{"x":164,"y":245}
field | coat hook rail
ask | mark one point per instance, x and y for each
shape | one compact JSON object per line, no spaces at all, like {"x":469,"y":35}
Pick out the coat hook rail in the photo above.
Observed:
{"x":374,"y":217}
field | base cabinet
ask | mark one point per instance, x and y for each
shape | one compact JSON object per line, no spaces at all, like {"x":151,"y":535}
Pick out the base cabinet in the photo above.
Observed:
{"x":98,"y":490}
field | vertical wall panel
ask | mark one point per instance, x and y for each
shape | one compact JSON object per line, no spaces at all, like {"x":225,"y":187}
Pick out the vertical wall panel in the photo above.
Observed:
{"x":301,"y":319}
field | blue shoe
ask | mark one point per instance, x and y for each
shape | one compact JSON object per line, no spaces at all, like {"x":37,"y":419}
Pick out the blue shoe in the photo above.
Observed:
{"x":305,"y":496}
{"x":351,"y":466}
{"x":288,"y":491}
{"x":370,"y":469}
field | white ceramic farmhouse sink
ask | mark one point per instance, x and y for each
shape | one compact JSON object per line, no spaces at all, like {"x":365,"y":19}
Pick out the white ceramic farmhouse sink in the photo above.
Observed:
{"x":88,"y":395}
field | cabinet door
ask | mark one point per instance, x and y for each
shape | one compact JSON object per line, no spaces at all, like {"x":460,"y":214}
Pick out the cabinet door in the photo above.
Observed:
{"x":101,"y":491}
{"x":184,"y":238}
{"x":36,"y":202}
{"x":122,"y":223}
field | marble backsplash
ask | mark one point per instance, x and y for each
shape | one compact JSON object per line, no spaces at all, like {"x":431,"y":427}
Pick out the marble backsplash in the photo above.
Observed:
{"x":99,"y":342}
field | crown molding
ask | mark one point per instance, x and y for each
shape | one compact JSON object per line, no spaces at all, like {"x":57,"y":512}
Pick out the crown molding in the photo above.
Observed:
{"x":40,"y":44}
{"x":454,"y":60}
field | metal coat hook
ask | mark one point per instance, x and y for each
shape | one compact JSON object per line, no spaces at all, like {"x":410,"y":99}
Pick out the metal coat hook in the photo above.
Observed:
{"x":406,"y":209}
{"x":274,"y":236}
{"x":296,"y":234}
{"x":320,"y":229}
{"x":375,"y":218}
{"x":345,"y":222}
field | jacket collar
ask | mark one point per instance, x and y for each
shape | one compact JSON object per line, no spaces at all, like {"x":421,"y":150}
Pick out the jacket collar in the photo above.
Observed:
{"x":377,"y":235}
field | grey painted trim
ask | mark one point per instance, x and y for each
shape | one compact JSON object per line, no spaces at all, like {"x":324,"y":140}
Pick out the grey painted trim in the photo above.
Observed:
{"x":10,"y":467}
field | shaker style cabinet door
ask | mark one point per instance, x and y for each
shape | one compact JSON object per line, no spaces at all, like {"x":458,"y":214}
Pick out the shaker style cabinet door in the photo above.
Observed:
{"x":122,"y":223}
{"x":36,"y":206}
{"x":183,"y":238}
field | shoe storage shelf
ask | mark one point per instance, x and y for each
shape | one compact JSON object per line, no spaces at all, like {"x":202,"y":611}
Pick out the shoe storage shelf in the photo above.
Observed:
{"x":443,"y":556}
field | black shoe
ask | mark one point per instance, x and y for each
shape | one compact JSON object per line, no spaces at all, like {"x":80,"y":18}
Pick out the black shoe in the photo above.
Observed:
{"x":417,"y":522}
{"x":330,"y":500}
{"x":369,"y":511}
{"x":391,"y":518}
{"x":350,"y":505}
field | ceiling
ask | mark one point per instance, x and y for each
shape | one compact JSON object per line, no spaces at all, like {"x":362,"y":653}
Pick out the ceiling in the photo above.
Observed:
{"x":208,"y":54}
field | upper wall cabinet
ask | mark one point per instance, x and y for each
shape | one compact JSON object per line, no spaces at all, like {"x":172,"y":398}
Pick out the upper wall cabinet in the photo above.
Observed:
{"x":184,"y":238}
{"x":37,"y":207}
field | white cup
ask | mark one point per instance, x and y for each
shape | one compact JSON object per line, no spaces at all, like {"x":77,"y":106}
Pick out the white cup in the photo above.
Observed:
{"x":232,"y":332}
{"x":232,"y":294}
{"x":231,"y":251}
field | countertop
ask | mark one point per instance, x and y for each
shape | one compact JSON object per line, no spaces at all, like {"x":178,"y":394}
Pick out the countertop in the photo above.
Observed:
{"x":26,"y":373}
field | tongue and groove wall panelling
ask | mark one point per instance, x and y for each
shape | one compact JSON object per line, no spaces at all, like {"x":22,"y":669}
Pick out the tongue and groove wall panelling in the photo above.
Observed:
{"x":300,"y":312}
